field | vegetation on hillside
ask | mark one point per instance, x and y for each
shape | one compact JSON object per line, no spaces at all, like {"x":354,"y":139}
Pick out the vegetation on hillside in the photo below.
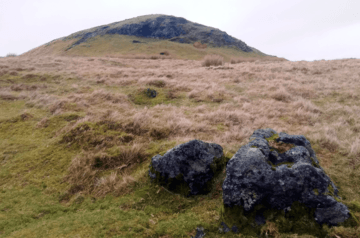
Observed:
{"x":120,"y":45}
{"x":77,"y":135}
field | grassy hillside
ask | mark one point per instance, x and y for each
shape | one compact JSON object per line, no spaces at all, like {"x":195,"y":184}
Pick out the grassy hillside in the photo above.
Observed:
{"x":120,"y":45}
{"x":77,"y":135}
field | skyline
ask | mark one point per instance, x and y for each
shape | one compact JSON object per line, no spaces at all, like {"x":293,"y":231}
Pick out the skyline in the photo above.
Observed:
{"x":297,"y":30}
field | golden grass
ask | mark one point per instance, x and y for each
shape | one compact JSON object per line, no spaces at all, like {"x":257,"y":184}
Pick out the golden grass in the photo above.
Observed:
{"x":215,"y":60}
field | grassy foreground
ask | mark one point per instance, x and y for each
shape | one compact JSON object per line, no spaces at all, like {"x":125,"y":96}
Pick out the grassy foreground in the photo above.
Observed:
{"x":77,"y":135}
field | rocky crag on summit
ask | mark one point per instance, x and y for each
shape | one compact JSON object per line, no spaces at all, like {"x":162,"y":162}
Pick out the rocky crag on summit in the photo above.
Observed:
{"x":175,"y":29}
{"x":274,"y":177}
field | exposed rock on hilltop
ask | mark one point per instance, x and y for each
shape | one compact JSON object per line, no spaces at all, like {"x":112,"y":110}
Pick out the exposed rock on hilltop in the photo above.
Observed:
{"x":174,"y":29}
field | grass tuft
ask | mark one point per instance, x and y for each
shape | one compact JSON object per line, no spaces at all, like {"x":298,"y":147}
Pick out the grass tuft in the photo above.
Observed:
{"x":214,"y":60}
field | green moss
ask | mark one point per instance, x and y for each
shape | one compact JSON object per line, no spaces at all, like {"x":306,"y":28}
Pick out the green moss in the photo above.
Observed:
{"x":272,"y":138}
{"x":177,"y":184}
{"x":70,"y":116}
{"x":330,"y":191}
{"x":299,"y":220}
{"x":354,"y":205}
{"x":220,"y":127}
{"x":289,"y":164}
{"x":140,"y":97}
{"x":316,"y":191}
{"x":273,"y":166}
{"x":159,"y":147}
{"x":314,"y":163}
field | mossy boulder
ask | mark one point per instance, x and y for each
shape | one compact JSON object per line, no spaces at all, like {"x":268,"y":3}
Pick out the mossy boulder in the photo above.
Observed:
{"x":258,"y":175}
{"x":188,"y":169}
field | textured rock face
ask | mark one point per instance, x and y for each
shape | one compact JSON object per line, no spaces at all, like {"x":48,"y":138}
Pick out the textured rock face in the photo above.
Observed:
{"x":259,"y":174}
{"x":175,"y":29}
{"x":192,"y":164}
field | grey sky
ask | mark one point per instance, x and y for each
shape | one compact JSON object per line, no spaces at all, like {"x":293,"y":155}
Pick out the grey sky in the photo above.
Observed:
{"x":296,"y":29}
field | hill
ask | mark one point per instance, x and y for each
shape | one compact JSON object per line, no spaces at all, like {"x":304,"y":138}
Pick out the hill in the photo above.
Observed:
{"x":77,"y":135}
{"x":151,"y":35}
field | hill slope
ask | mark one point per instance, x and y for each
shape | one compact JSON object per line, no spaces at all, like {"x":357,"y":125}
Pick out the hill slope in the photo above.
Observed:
{"x":77,"y":135}
{"x":150,"y":34}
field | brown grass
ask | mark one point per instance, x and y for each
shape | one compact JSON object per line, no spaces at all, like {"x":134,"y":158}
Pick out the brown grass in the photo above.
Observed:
{"x":198,"y":45}
{"x":85,"y":169}
{"x":8,"y":96}
{"x":210,"y":60}
{"x":242,"y":60}
{"x":319,"y":100}
{"x":238,"y":60}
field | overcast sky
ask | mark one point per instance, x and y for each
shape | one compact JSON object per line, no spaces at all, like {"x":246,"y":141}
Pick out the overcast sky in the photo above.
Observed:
{"x":296,"y":30}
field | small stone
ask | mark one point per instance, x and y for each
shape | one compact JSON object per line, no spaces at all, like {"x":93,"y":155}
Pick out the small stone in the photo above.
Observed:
{"x":151,"y":93}
{"x":199,"y":233}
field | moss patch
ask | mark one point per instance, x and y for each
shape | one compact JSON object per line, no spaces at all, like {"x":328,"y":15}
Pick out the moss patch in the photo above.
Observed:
{"x":299,"y":220}
{"x":140,"y":97}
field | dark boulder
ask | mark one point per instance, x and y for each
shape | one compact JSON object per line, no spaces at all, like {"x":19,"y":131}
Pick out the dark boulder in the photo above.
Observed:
{"x":261,"y":175}
{"x":223,"y":228}
{"x":189,"y":168}
{"x":151,"y":93}
{"x":199,"y":233}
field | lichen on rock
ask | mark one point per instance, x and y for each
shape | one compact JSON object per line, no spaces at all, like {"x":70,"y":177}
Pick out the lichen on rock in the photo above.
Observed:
{"x":189,"y":168}
{"x":281,"y":179}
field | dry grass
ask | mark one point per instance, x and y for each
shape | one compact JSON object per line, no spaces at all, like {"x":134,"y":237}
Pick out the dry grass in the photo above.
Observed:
{"x":85,"y":169}
{"x":8,"y":96}
{"x":242,"y":60}
{"x":215,"y":60}
{"x":317,"y":99}
{"x":238,"y":60}
{"x":199,"y":45}
{"x":11,"y":55}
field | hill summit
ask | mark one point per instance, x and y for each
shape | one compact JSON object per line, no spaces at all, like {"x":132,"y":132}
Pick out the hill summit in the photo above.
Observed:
{"x":150,"y":34}
{"x":176,"y":29}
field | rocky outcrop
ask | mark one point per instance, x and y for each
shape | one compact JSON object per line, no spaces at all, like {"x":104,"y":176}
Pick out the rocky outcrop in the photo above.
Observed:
{"x":259,"y":174}
{"x":189,"y":168}
{"x":275,"y":177}
{"x":166,"y":27}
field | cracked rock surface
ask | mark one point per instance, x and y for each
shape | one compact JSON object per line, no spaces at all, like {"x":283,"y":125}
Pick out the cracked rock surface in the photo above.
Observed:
{"x":176,"y":29}
{"x":193,"y":162}
{"x":259,"y":174}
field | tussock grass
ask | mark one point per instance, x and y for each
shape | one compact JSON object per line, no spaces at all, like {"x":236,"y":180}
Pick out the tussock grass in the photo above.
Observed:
{"x":77,"y":137}
{"x":215,"y":60}
{"x":11,"y":55}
